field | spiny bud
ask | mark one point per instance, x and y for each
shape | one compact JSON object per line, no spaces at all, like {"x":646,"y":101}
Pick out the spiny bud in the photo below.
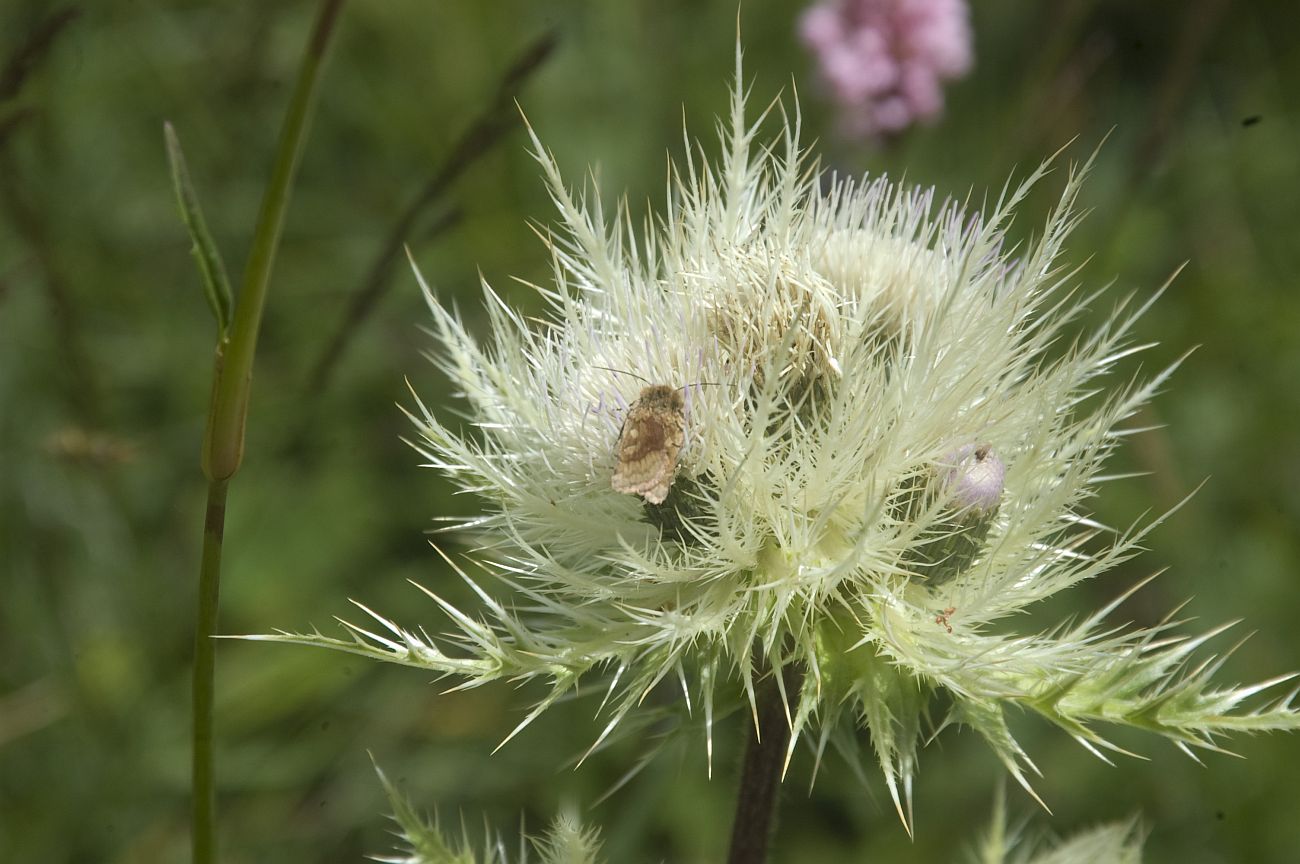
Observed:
{"x":964,"y":491}
{"x":972,"y":478}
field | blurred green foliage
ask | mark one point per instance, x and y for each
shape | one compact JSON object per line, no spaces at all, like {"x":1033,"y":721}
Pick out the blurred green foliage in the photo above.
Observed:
{"x":105,"y":363}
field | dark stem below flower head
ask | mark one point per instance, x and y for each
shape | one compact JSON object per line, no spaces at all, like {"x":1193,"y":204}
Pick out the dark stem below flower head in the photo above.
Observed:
{"x":760,"y":774}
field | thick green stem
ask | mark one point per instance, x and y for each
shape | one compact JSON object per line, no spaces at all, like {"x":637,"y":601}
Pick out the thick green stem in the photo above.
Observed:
{"x":204,"y":811}
{"x":223,"y":440}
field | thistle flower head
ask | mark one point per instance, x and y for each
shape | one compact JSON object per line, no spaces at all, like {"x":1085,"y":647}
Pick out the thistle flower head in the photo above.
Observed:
{"x":870,"y":444}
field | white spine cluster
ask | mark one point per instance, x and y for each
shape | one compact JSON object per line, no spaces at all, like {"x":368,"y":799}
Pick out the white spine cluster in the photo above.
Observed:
{"x":844,"y":348}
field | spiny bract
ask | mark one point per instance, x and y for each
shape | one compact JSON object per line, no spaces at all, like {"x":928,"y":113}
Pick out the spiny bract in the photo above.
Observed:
{"x":855,"y":359}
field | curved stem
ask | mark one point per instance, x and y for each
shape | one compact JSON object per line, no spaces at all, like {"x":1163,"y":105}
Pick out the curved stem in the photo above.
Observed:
{"x":760,"y":775}
{"x":223,"y":439}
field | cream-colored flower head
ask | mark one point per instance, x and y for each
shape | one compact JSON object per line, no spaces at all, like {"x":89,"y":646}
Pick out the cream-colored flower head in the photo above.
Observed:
{"x":890,"y":430}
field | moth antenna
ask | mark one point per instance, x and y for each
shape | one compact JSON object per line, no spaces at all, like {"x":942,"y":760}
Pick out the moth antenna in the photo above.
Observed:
{"x":621,"y":372}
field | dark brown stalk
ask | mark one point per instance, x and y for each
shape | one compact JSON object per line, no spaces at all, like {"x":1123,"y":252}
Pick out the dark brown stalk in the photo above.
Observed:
{"x":760,"y":774}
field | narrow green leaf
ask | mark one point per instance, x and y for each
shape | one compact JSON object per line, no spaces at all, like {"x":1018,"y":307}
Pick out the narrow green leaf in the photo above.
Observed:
{"x":211,"y":268}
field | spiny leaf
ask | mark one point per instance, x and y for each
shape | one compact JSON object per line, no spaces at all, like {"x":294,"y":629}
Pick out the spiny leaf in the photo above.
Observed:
{"x":567,"y":841}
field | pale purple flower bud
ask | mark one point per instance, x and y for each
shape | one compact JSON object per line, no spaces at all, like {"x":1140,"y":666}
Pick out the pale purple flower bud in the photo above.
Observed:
{"x":884,"y":61}
{"x":966,"y":484}
{"x":972,"y":477}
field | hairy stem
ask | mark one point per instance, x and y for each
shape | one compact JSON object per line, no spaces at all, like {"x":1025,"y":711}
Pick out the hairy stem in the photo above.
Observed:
{"x":760,"y":775}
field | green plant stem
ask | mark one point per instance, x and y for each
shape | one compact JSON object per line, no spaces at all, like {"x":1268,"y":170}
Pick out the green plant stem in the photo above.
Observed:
{"x":223,"y":440}
{"x":760,"y":774}
{"x":204,"y":813}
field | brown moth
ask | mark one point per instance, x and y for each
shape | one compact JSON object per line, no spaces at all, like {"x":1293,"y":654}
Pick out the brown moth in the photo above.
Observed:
{"x":650,"y":443}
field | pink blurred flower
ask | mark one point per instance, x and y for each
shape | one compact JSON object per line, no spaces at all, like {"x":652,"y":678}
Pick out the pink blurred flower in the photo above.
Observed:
{"x":885,"y":61}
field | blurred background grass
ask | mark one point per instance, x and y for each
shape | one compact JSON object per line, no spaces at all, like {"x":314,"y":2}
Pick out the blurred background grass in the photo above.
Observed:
{"x":105,"y":358}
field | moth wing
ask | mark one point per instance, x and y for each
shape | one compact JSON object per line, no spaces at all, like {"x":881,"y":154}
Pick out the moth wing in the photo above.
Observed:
{"x":647,"y":451}
{"x":651,"y":478}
